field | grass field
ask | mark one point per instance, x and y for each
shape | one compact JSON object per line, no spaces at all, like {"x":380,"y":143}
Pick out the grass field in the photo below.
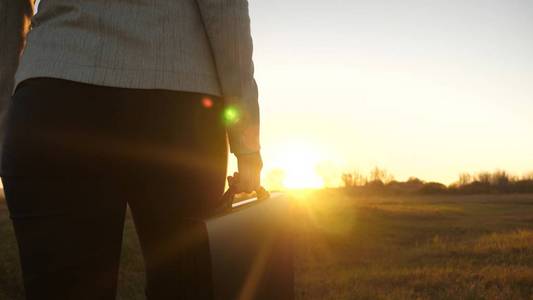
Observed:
{"x":372,"y":247}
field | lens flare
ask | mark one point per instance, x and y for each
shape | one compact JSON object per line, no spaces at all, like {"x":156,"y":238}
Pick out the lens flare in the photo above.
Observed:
{"x":207,"y":103}
{"x":231,"y":115}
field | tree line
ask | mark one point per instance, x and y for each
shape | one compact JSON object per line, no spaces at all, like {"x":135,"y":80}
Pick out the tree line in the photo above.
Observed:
{"x":381,"y":181}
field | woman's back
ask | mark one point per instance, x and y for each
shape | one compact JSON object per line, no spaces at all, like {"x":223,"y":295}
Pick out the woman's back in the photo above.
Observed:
{"x":121,"y":103}
{"x":158,"y":44}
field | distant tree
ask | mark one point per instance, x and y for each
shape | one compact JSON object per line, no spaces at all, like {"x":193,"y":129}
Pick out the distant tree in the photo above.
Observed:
{"x":498,"y":181}
{"x":355,"y":178}
{"x":389,"y":178}
{"x":527,"y":176}
{"x":347,"y":179}
{"x":377,"y":174}
{"x":414,"y":180}
{"x":359,"y":179}
{"x":484,"y":178}
{"x":524,"y":184}
{"x":375,"y":184}
{"x":514,"y":178}
{"x":413,"y":184}
{"x":500,"y":178}
{"x":433,"y":188}
{"x":464,"y":179}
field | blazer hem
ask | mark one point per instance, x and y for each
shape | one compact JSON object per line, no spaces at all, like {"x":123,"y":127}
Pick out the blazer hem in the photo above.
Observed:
{"x":117,"y":77}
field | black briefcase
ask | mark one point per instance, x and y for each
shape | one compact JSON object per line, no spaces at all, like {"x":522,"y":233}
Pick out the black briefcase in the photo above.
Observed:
{"x":250,"y":248}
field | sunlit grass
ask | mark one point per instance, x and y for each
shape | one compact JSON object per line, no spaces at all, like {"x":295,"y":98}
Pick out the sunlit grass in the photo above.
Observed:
{"x":426,"y":209}
{"x":477,"y":247}
{"x":372,"y":247}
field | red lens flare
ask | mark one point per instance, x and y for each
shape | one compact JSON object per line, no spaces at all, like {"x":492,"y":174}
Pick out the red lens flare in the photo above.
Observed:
{"x":207,"y":103}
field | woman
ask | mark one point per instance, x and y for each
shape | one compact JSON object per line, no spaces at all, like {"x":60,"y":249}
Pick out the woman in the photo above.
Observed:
{"x":121,"y":103}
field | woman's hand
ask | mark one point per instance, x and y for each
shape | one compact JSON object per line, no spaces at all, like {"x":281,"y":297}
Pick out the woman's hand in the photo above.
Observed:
{"x":248,"y":178}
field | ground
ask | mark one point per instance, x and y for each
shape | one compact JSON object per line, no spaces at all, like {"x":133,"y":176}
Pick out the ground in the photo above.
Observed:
{"x":377,"y":247}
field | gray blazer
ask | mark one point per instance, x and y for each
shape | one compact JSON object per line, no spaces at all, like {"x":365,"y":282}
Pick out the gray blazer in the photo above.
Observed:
{"x":200,"y":46}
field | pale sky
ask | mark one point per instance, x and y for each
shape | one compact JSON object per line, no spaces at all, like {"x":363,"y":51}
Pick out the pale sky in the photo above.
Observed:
{"x":421,"y":88}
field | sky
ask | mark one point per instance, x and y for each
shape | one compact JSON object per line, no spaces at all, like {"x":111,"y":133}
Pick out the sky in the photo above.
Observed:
{"x":421,"y":88}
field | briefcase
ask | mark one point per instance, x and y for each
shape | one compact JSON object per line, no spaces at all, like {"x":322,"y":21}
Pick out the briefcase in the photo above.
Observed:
{"x":251,"y":251}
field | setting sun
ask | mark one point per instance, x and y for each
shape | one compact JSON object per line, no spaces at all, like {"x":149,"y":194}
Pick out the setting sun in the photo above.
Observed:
{"x":299,"y":161}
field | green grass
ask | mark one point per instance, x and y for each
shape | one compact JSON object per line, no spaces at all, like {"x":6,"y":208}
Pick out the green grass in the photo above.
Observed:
{"x":419,"y":247}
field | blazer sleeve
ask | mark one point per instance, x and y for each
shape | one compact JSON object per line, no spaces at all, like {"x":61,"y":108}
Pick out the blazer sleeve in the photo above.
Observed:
{"x":227,"y":24}
{"x":15,"y":18}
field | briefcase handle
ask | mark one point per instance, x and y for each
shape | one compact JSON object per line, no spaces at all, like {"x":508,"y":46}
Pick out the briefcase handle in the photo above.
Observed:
{"x":228,"y":197}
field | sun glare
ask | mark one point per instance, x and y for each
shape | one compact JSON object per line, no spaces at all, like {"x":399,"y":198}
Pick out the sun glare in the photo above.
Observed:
{"x":299,"y":161}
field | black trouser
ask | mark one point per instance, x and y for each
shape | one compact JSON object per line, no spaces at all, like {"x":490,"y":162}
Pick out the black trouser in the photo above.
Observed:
{"x":76,"y":154}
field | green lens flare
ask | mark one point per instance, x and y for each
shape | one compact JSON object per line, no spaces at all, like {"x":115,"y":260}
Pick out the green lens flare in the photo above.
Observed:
{"x":231,"y":115}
